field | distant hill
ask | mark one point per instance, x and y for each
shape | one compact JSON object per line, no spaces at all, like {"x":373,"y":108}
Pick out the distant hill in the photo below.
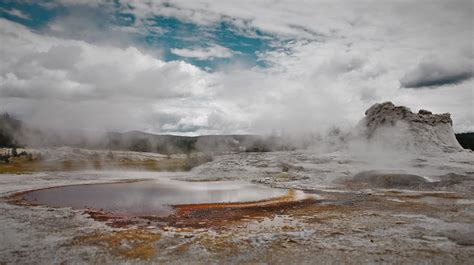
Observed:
{"x":466,"y":140}
{"x":13,"y":133}
{"x":169,"y":144}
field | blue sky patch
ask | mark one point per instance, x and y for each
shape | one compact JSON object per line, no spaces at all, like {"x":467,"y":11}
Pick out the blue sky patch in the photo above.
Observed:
{"x":160,"y":32}
{"x":179,"y":34}
{"x":39,"y":15}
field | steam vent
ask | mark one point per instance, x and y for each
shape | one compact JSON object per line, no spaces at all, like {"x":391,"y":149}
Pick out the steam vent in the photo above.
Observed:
{"x":422,"y":131}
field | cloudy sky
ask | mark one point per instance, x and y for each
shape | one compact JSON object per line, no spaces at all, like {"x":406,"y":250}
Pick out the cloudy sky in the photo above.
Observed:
{"x":220,"y":67}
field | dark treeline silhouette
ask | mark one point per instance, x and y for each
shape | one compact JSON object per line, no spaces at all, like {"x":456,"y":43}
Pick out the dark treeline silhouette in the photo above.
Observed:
{"x":466,"y":140}
{"x":10,"y":131}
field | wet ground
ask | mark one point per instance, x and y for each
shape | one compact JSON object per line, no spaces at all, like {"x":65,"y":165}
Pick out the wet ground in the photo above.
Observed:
{"x":379,"y":218}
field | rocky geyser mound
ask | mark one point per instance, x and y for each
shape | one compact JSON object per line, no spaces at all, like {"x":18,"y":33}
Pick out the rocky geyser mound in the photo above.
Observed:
{"x":399,"y":126}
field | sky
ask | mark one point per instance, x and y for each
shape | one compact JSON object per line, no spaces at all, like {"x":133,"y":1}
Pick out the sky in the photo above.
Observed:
{"x":232,"y":67}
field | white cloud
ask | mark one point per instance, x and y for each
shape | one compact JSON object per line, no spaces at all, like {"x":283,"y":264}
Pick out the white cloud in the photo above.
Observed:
{"x":343,"y":56}
{"x":378,"y":20}
{"x":208,"y":53}
{"x":47,"y":71}
{"x":16,"y":13}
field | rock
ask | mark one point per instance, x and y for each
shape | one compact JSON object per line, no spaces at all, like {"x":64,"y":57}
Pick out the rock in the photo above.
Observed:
{"x":388,"y":113}
{"x":388,"y":180}
{"x":452,"y":178}
{"x":422,"y":130}
{"x":286,"y":167}
{"x":424,"y":112}
{"x":460,"y":238}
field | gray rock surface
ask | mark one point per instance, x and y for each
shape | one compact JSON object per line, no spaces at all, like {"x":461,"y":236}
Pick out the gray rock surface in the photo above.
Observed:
{"x":422,"y":131}
{"x":388,"y":180}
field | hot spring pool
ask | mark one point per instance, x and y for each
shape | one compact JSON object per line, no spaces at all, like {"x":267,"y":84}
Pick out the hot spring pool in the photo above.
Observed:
{"x":154,"y":197}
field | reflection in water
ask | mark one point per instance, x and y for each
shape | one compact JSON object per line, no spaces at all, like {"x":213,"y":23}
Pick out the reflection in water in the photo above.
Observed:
{"x":151,"y":197}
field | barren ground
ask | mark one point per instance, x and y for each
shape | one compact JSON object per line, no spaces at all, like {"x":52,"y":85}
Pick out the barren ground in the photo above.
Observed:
{"x":352,"y":220}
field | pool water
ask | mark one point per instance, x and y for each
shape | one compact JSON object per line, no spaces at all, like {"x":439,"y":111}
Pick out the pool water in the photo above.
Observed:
{"x":156,"y":197}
